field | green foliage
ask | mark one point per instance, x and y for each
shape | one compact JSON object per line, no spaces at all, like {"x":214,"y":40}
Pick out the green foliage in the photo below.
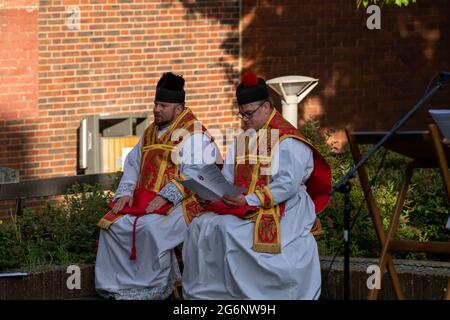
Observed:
{"x":57,"y":234}
{"x":10,"y":250}
{"x":423,"y":217}
{"x":399,"y":3}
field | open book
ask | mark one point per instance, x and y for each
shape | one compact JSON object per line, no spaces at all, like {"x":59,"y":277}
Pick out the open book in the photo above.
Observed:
{"x":442,"y":119}
{"x":210,"y":184}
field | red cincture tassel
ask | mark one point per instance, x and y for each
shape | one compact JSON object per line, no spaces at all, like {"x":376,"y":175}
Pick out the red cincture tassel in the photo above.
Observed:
{"x":133,"y":248}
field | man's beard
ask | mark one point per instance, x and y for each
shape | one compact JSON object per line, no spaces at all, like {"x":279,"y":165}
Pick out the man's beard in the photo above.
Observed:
{"x":166,"y":122}
{"x":163,"y":123}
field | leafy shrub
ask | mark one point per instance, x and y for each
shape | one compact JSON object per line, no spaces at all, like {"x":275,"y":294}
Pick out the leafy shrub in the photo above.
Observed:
{"x":57,"y":234}
{"x":10,"y":249}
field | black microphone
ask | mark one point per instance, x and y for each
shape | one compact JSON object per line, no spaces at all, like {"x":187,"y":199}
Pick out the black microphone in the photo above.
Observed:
{"x":444,"y":76}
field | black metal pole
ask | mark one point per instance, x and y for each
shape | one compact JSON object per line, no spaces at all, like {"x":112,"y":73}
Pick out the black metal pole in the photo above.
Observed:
{"x":343,"y":184}
{"x":347,"y":213}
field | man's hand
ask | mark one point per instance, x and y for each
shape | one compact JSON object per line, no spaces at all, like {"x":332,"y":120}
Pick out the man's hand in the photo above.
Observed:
{"x":201,"y":201}
{"x":121,"y":203}
{"x":234,"y":201}
{"x":155,"y":204}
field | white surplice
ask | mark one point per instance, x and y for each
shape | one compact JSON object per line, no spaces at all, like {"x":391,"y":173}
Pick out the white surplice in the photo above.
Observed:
{"x":219,"y":262}
{"x":154,"y":272}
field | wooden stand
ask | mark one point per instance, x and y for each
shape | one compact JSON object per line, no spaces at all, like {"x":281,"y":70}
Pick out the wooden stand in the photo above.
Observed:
{"x":426,"y":151}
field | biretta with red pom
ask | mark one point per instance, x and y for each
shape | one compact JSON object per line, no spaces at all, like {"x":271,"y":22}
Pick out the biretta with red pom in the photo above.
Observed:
{"x":251,"y":89}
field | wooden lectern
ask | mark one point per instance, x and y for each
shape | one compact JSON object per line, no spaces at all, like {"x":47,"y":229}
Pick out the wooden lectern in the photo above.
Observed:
{"x":426,"y":151}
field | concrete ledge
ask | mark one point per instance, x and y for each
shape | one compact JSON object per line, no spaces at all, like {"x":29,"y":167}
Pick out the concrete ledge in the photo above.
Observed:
{"x":419,"y":280}
{"x":49,"y":284}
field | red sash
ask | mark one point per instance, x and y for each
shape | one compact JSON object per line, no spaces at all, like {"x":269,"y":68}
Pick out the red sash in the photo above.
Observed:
{"x":141,"y":199}
{"x":244,"y":212}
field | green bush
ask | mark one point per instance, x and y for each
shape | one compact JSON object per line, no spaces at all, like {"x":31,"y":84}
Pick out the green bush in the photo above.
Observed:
{"x":10,"y":249}
{"x":58,"y":234}
{"x":423,"y":217}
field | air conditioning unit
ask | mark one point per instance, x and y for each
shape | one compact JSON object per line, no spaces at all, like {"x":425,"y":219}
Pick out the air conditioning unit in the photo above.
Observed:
{"x":8,"y":175}
{"x":105,"y":140}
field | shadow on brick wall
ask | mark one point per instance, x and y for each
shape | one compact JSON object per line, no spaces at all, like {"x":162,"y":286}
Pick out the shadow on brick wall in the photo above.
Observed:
{"x":368,"y":78}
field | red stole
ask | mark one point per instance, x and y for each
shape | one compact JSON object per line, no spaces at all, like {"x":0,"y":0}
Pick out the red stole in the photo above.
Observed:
{"x":157,"y":169}
{"x":247,"y":174}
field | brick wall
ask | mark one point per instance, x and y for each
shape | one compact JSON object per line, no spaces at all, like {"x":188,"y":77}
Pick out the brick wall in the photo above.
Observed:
{"x":367,"y":78}
{"x":110,"y":65}
{"x":18,"y":81}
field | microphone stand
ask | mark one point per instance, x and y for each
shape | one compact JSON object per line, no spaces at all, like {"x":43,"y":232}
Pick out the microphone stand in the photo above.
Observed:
{"x":344,"y":186}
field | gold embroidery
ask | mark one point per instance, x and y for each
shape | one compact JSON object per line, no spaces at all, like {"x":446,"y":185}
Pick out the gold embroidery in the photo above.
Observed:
{"x":158,"y":146}
{"x":267,"y":223}
{"x":105,"y":223}
{"x":161,"y":171}
{"x":179,"y":187}
{"x":260,"y":197}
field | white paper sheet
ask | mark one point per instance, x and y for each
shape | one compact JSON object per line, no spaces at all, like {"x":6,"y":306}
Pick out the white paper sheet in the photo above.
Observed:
{"x":12,"y":274}
{"x":442,"y":119}
{"x":210,"y":184}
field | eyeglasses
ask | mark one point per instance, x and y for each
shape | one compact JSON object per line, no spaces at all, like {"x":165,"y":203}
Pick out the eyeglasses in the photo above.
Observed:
{"x":248,"y":115}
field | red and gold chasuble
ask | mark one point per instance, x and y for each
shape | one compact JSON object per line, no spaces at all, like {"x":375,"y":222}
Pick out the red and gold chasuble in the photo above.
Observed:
{"x":157,"y":169}
{"x":252,"y":171}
